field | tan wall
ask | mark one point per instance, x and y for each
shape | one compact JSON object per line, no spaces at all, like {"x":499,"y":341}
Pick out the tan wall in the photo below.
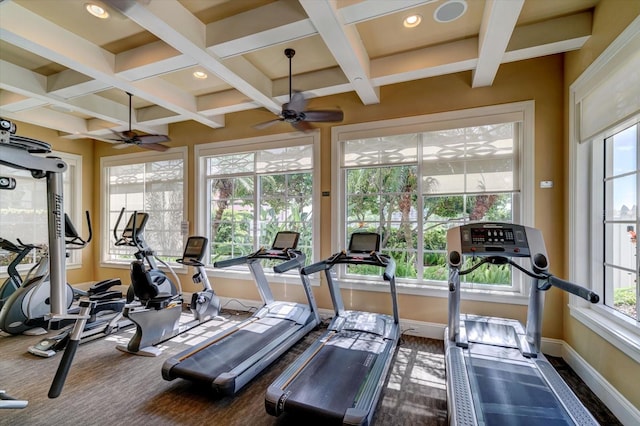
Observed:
{"x":539,"y":80}
{"x":611,"y":17}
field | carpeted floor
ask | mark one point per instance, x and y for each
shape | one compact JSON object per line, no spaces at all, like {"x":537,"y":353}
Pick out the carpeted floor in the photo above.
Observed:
{"x":108,"y":387}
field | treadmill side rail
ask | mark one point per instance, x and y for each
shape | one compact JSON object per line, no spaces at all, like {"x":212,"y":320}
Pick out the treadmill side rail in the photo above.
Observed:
{"x":580,"y":415}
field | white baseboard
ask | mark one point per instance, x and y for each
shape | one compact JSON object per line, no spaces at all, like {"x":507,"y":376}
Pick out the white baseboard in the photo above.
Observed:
{"x":626,"y":412}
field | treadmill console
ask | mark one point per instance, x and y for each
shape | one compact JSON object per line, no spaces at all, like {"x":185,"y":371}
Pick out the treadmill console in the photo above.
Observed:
{"x":486,"y":239}
{"x":364,"y":242}
{"x":285,"y":240}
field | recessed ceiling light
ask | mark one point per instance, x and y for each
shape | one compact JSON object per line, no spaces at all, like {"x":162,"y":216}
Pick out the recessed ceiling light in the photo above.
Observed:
{"x":412,"y":21}
{"x":96,"y":10}
{"x":199,"y":74}
{"x":450,"y":10}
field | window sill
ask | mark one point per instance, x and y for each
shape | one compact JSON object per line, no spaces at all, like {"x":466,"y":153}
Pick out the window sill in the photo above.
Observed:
{"x":507,"y":297}
{"x":273,"y":278}
{"x":178,"y":269}
{"x":619,"y":332}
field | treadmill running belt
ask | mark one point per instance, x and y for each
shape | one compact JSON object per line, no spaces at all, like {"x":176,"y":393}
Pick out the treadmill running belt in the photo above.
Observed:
{"x":515,"y":394}
{"x":226,"y":354}
{"x":329,"y":383}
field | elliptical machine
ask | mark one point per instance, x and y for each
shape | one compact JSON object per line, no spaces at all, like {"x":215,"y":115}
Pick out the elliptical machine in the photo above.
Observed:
{"x":14,"y":280}
{"x":27,"y":309}
{"x":158,"y":318}
{"x":133,"y":236}
{"x":105,"y":316}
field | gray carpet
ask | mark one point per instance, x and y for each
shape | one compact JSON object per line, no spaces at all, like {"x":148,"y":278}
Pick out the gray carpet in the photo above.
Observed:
{"x":108,"y":387}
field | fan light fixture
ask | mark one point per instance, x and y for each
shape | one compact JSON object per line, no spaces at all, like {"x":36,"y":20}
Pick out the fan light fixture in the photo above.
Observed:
{"x":412,"y":21}
{"x":96,"y":10}
{"x":200,"y":75}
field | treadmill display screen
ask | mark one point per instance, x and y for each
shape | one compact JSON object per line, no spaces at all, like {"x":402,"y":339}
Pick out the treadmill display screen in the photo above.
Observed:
{"x":364,"y":242}
{"x":285,"y":240}
{"x":492,"y":236}
{"x":195,"y":248}
{"x":493,"y":239}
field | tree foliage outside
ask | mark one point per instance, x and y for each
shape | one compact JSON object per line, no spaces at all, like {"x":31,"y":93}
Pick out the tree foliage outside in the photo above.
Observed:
{"x":385,"y":200}
{"x":247,"y":212}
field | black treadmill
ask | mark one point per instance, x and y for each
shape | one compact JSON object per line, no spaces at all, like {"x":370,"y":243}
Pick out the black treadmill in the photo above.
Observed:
{"x":339,"y":378}
{"x":231,"y":358}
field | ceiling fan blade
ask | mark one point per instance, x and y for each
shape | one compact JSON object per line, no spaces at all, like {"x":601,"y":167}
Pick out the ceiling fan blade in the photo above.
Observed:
{"x":303,"y":126}
{"x":267,"y":124}
{"x":154,"y":146}
{"x":147,"y":139}
{"x":296,"y":103}
{"x":123,"y":145}
{"x":325,"y":115}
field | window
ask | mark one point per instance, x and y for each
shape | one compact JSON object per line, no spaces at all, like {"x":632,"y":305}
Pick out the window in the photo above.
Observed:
{"x":411,"y":187}
{"x":24,"y":210}
{"x":620,"y":223}
{"x":251,"y":189}
{"x":153,"y":183}
{"x":604,"y":149}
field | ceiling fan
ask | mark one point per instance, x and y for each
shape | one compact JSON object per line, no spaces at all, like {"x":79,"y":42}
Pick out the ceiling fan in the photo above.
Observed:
{"x":293,"y":111}
{"x":129,"y":137}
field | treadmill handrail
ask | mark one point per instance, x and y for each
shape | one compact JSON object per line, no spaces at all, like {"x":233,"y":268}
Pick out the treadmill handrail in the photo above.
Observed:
{"x":547,"y":279}
{"x":343,"y":257}
{"x":572,"y":288}
{"x":297,"y":259}
{"x":261,"y":253}
{"x":225,"y":263}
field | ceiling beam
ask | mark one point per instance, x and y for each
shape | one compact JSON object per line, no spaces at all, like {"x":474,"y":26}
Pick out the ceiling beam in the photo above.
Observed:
{"x":498,"y":22}
{"x":34,"y":33}
{"x":173,"y":23}
{"x":345,"y":45}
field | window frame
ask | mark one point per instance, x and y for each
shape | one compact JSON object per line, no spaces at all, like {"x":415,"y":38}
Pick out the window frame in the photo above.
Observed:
{"x":523,"y":112}
{"x":585,"y":191}
{"x":139,"y":158}
{"x":75,"y":212}
{"x":237,"y":146}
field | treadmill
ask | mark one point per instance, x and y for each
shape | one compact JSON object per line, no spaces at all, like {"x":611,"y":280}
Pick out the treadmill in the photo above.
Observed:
{"x":339,"y":378}
{"x":230,"y":359}
{"x":495,"y":371}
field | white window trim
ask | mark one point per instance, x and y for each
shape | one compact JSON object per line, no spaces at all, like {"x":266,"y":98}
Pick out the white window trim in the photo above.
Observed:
{"x":136,"y":158}
{"x":617,"y":329}
{"x":253,"y":144}
{"x":76,"y":215}
{"x":517,"y":111}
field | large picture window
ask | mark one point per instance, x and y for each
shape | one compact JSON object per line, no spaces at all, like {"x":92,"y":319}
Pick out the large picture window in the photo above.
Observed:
{"x":412,"y":187}
{"x":251,"y":189}
{"x":604,"y":119}
{"x":153,"y":183}
{"x":24,"y":212}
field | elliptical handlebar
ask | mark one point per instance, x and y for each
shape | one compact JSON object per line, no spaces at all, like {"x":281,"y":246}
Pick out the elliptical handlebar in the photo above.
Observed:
{"x":72,"y":237}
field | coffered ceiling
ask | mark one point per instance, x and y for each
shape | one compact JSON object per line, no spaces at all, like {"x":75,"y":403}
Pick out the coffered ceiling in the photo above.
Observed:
{"x":64,"y":69}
